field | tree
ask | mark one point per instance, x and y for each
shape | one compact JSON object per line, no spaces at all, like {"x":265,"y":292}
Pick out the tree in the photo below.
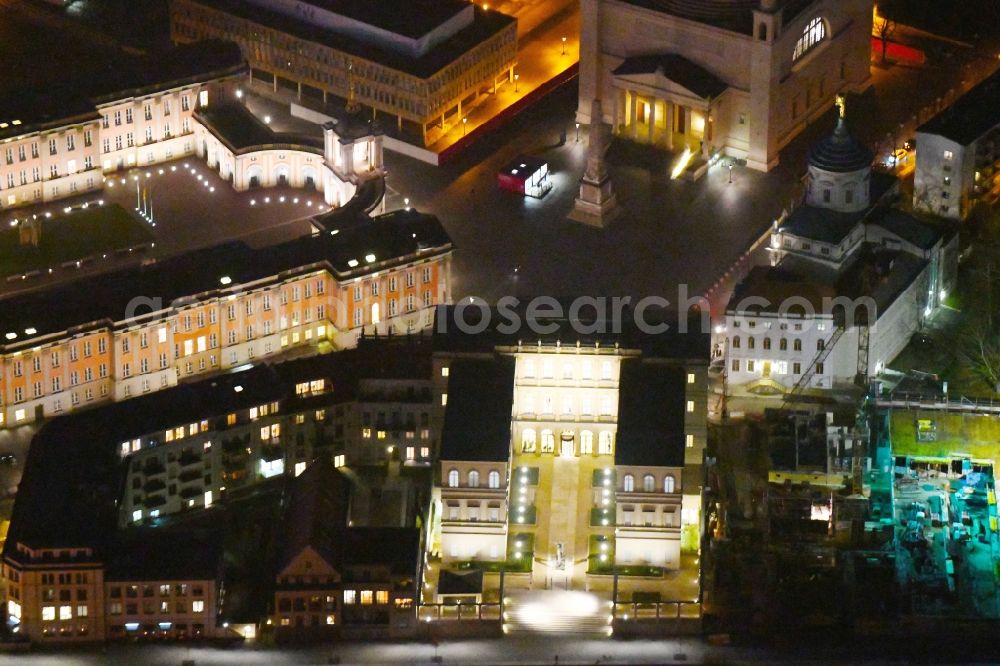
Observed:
{"x":884,"y":28}
{"x":979,"y":349}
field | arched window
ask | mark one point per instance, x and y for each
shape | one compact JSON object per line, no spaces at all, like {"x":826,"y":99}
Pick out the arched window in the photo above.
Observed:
{"x":494,"y":479}
{"x":527,"y":440}
{"x":814,"y":33}
{"x":767,"y":343}
{"x":797,"y":345}
{"x":586,"y":443}
{"x":668,"y":484}
{"x":629,"y":482}
{"x":473,"y":479}
{"x":604,"y":446}
{"x":648,"y":483}
{"x":751,"y":344}
{"x":375,"y":314}
{"x":548,"y":441}
{"x":453,"y":478}
{"x":820,"y":344}
{"x":783,"y":344}
{"x":736,"y":342}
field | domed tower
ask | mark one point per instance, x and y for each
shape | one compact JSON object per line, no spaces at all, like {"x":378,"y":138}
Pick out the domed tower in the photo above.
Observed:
{"x":839,"y":171}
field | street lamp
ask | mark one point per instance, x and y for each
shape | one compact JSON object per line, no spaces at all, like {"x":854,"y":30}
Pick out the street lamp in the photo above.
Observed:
{"x":465,"y":122}
{"x":406,"y":202}
{"x":730,"y":173}
{"x":578,"y":132}
{"x":516,"y":77}
{"x":564,"y":46}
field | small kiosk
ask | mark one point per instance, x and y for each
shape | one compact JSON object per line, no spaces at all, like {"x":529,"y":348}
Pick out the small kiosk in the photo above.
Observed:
{"x":526,"y":175}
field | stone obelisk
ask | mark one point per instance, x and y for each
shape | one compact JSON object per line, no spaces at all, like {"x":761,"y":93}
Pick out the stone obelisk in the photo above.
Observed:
{"x":596,"y":204}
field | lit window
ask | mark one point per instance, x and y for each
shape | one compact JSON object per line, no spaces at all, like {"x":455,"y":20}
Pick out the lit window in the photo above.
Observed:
{"x":444,"y":371}
{"x":690,"y":406}
{"x":366,"y":597}
{"x":814,"y":33}
{"x":948,"y":155}
{"x":350,"y":597}
{"x":689,"y":441}
{"x":338,"y":460}
{"x":65,"y":612}
{"x":604,"y":443}
{"x":690,"y":378}
{"x":48,"y":613}
{"x":382,"y":597}
{"x":453,"y":478}
{"x":197,"y":606}
{"x":444,"y":399}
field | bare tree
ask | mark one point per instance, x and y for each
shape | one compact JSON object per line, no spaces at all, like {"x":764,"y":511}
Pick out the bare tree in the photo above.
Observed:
{"x":884,"y":28}
{"x":979,"y":350}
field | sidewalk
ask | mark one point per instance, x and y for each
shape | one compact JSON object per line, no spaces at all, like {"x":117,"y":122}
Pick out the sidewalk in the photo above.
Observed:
{"x":540,"y":59}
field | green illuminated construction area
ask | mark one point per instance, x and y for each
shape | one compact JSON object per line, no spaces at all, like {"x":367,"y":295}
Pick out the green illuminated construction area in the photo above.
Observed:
{"x":84,"y":234}
{"x":945,"y":435}
{"x":945,"y":511}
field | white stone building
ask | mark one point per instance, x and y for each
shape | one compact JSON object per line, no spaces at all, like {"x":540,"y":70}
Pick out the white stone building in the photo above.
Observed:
{"x":958,"y":154}
{"x":851,"y":280}
{"x":56,"y":147}
{"x":743,"y":77}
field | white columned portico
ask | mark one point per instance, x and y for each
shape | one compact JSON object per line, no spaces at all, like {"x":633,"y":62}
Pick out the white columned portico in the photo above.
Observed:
{"x":651,"y":119}
{"x":633,"y":112}
{"x":669,"y":122}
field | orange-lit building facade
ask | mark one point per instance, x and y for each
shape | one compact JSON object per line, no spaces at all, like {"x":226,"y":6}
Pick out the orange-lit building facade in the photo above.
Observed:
{"x":150,"y":344}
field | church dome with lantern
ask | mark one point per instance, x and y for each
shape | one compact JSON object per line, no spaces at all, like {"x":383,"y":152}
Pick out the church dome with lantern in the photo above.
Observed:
{"x":840,"y":171}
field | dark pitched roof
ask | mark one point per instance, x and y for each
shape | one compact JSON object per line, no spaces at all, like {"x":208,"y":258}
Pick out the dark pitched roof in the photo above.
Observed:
{"x":873,"y":272}
{"x":73,"y":96}
{"x":971,"y":116}
{"x":391,"y":238}
{"x":477,"y":417}
{"x":317,"y":512}
{"x":317,"y":517}
{"x":397,"y":547}
{"x":651,"y":408}
{"x":486,"y":25}
{"x":150,"y":554}
{"x":678,"y":69}
{"x":908,"y":228}
{"x":462,"y":329}
{"x":839,"y":152}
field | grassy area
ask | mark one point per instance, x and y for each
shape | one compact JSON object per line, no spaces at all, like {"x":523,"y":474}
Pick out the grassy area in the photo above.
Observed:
{"x":976,"y":436}
{"x":80,"y":234}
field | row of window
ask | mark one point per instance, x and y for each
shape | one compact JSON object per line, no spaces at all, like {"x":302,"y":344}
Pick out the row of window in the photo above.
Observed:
{"x":493,"y":479}
{"x":782,"y":343}
{"x":528,"y":369}
{"x":649,"y":484}
{"x":586,"y":405}
{"x":605,"y":445}
{"x":409,"y":279}
{"x":776,"y":367}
